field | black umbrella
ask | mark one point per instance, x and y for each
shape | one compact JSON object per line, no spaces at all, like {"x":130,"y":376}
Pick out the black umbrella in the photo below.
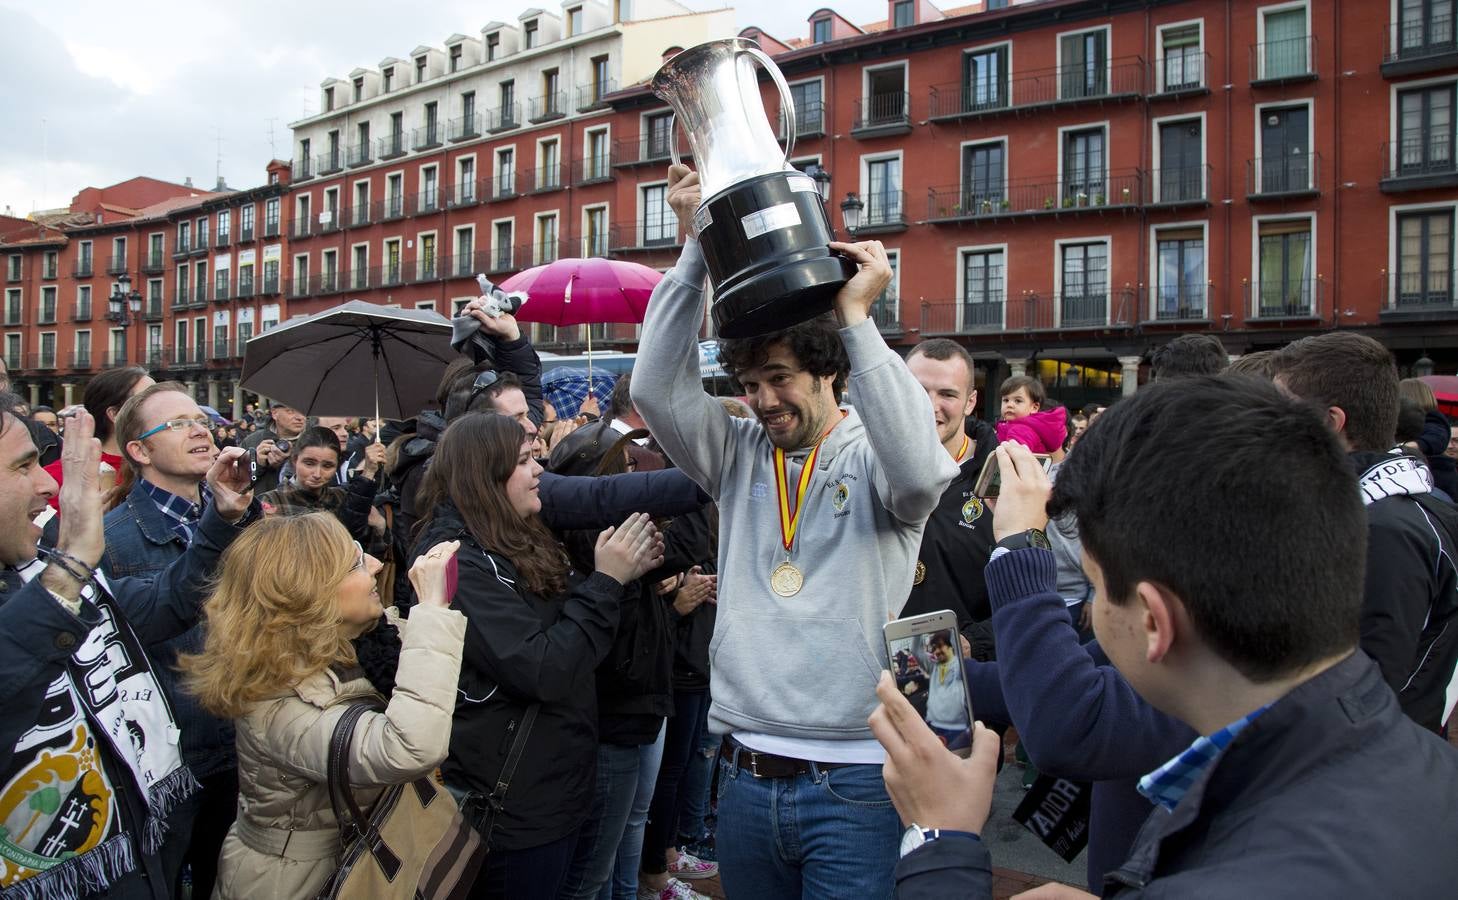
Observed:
{"x":343,"y":360}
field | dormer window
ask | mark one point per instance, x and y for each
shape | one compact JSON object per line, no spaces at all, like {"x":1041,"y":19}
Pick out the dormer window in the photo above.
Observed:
{"x":821,"y":31}
{"x":389,"y":76}
{"x":329,"y":99}
{"x":419,"y":69}
{"x":456,"y":58}
{"x":493,"y":46}
{"x":359,"y":89}
{"x":574,"y":21}
{"x":529,"y":31}
{"x":903,"y":14}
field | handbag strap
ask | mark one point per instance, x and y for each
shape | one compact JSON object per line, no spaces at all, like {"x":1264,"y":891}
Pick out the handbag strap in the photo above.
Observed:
{"x":341,"y":798}
{"x":497,"y":799}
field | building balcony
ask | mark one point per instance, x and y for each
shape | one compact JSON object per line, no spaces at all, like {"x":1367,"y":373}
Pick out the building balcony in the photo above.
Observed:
{"x":330,"y":163}
{"x":81,"y":312}
{"x":181,"y":297}
{"x":992,"y":313}
{"x":13,"y":274}
{"x":115,"y":265}
{"x":590,"y":96}
{"x":330,"y":220}
{"x":245,"y":234}
{"x":592,"y":170}
{"x":392,"y":274}
{"x":153,"y":264}
{"x":1122,"y":189}
{"x":882,"y":115}
{"x":153,"y":308}
{"x":645,"y":150}
{"x":1291,"y":300}
{"x":462,"y":265}
{"x":245,"y":289}
{"x":328,"y":283}
{"x":157,"y":357}
{"x":1426,"y":296}
{"x":501,"y":260}
{"x":79,"y":360}
{"x":301,"y":227}
{"x":50,"y":272}
{"x":200,"y":295}
{"x":1415,"y":48}
{"x":222,"y":292}
{"x":885,"y":211}
{"x":222,"y":239}
{"x":1175,"y":304}
{"x":41,"y":362}
{"x":301,"y":170}
{"x":1123,"y":79}
{"x":358,"y":155}
{"x":301,"y":286}
{"x":546,"y":178}
{"x":644,"y":236}
{"x":81,"y":268}
{"x":547,"y":107}
{"x":357,"y":216}
{"x":362,"y":279}
{"x":391,"y":146}
{"x":503,"y":186}
{"x":14,"y":314}
{"x":463,"y":194}
{"x":425,"y":203}
{"x":1176,"y":186}
{"x":14,"y":362}
{"x":200,"y":246}
{"x":1181,"y":74}
{"x":270,"y":287}
{"x":503,"y":118}
{"x":425,"y":271}
{"x":1289,"y":61}
{"x":115,"y":359}
{"x":47,"y":314}
{"x":1419,"y":164}
{"x":389,"y":209}
{"x":464,"y":128}
{"x":427,"y":138}
{"x":189,"y":357}
{"x":809,"y":121}
{"x":1283,"y":177}
{"x":270,"y":228}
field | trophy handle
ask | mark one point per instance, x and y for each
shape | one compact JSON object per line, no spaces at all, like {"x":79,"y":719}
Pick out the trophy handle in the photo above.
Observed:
{"x":787,"y":103}
{"x":673,"y":139}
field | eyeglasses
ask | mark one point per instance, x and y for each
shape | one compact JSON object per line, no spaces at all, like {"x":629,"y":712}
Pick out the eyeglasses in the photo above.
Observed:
{"x":359,"y":562}
{"x":482,"y":382}
{"x":177,"y":425}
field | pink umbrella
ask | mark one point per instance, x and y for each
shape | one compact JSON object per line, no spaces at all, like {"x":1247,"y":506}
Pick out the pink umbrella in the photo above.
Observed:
{"x":584,"y":292}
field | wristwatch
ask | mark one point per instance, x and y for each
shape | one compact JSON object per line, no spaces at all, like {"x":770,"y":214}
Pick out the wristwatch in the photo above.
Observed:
{"x":1033,"y":537}
{"x":915,"y":836}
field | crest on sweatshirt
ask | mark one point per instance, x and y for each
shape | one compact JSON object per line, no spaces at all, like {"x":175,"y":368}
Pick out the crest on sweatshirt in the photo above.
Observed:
{"x":972,"y":510}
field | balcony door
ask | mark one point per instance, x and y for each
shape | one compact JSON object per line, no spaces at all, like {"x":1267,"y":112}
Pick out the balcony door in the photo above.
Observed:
{"x":1285,"y":269}
{"x":1285,"y":149}
{"x":1179,"y":161}
{"x":1426,"y":130}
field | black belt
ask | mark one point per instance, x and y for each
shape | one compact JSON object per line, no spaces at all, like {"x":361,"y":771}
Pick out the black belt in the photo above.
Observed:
{"x":768,"y":765}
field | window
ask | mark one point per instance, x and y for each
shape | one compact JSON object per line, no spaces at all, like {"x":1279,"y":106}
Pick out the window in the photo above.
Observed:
{"x":420,"y":62}
{"x":1085,"y":283}
{"x":359,"y":89}
{"x":220,"y":284}
{"x":12,"y":307}
{"x":199,"y":338}
{"x":466,"y":180}
{"x":83,"y":303}
{"x":1179,"y":275}
{"x":886,"y":309}
{"x":118,"y":349}
{"x":1425,"y":27}
{"x":1285,"y":160}
{"x":886,"y":103}
{"x":505,"y":172}
{"x":574,"y":21}
{"x":455,"y":61}
{"x":245,"y":334}
{"x":154,"y":297}
{"x":508,"y":103}
{"x":1181,"y":172}
{"x":83,"y":348}
{"x":809,"y":110}
{"x":392,"y":262}
{"x":302,"y":215}
{"x":330,"y":276}
{"x":432,"y":117}
{"x":397,"y":132}
{"x":361,"y":213}
{"x":1425,"y":259}
{"x":184,"y":237}
{"x":245,"y":222}
{"x":550,"y":104}
{"x":184,"y":282}
{"x":659,"y":130}
{"x":48,"y":350}
{"x":548,"y":175}
{"x":395,"y":195}
{"x":359,"y":272}
{"x":245,"y":280}
{"x":270,"y":218}
{"x":985,"y":79}
{"x":883,"y":194}
{"x":493,"y":46}
{"x":1283,"y":54}
{"x":220,"y":340}
{"x":388,"y":77}
{"x":546,"y":243}
{"x":329,"y":99}
{"x":903,"y":13}
{"x":361,"y":152}
{"x":601,"y":83}
{"x":465,"y":250}
{"x":468,"y":111}
{"x":225,"y":222}
{"x":1083,"y":167}
{"x":201,"y":234}
{"x":301,"y":276}
{"x":1425,"y":125}
{"x":429,"y":189}
{"x":594,"y":232}
{"x":12,"y":267}
{"x":1184,"y":66}
{"x":83,"y":258}
{"x":597,"y":155}
{"x":1085,"y":59}
{"x":501,"y":260}
{"x":200,"y":278}
{"x":426,"y":257}
{"x":49,"y":263}
{"x":660,"y":225}
{"x":982,"y":289}
{"x":48,"y":305}
{"x":821,"y":31}
{"x":982,"y":177}
{"x":1284,"y":270}
{"x":12,"y":351}
{"x":118,"y":258}
{"x":154,"y":344}
{"x":529,"y":34}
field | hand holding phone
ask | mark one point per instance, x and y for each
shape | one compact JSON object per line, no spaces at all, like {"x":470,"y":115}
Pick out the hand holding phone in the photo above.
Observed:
{"x":989,"y":480}
{"x":926,"y":661}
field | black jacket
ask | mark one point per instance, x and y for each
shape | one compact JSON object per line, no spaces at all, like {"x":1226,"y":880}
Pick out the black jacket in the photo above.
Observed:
{"x":522,"y":649}
{"x":1331,"y":792}
{"x":691,"y":540}
{"x":1410,"y":605}
{"x":954,"y":551}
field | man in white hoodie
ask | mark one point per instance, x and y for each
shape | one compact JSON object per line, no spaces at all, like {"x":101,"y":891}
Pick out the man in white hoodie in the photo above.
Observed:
{"x":821,"y":516}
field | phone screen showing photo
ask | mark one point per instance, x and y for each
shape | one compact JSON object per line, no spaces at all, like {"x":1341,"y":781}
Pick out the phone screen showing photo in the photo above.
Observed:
{"x":929,"y":672}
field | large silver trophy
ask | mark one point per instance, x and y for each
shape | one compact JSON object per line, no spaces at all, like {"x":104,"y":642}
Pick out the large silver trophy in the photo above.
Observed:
{"x":762,"y":225}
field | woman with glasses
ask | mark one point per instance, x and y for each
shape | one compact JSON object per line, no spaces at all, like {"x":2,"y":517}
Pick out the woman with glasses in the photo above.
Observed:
{"x":293,"y":592}
{"x":537,"y":629}
{"x":315,"y":456}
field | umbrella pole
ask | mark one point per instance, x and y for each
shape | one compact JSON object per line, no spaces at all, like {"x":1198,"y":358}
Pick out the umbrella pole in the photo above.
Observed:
{"x":589,"y":360}
{"x":376,"y":351}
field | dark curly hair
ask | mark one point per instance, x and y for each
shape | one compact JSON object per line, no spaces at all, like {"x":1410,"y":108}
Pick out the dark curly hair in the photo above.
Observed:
{"x":816,"y":344}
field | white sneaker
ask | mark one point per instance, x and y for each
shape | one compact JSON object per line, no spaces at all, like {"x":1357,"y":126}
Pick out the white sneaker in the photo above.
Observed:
{"x":691,"y":867}
{"x":674,"y":890}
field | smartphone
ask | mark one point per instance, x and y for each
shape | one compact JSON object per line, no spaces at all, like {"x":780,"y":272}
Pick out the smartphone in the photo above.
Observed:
{"x":925,"y":653}
{"x":989,"y":481}
{"x":249,"y":462}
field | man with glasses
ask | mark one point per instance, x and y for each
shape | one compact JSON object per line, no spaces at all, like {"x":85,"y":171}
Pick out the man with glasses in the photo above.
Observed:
{"x":271,"y":444}
{"x":167,"y":443}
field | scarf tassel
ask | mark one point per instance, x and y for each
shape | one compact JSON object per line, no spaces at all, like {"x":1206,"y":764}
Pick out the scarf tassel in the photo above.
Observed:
{"x":90,"y":873}
{"x":161,"y":800}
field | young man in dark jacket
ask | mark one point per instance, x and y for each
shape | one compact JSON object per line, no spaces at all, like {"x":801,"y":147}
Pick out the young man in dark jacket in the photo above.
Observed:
{"x":1243,"y":626}
{"x":1410,"y":606}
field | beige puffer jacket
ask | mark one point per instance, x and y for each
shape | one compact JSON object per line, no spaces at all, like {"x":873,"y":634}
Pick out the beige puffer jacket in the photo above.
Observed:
{"x":285,"y":841}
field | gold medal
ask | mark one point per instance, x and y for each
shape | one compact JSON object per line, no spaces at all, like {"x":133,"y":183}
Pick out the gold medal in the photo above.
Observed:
{"x":920,"y":573}
{"x":786,"y":580}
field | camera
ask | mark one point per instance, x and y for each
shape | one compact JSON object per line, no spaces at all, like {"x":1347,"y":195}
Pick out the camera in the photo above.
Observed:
{"x":283,"y":446}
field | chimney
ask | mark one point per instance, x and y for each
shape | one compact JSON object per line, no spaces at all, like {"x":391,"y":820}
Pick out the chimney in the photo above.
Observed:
{"x":221,"y":185}
{"x":187,"y":182}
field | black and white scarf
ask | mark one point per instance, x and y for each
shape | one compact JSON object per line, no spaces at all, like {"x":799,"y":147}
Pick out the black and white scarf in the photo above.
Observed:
{"x":105,"y":728}
{"x":1393,"y":475}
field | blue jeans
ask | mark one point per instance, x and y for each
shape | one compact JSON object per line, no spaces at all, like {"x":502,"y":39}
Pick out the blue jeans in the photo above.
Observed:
{"x":624,"y":885}
{"x":591,"y":870}
{"x":698,"y":782}
{"x":530,"y":874}
{"x":811,"y":837}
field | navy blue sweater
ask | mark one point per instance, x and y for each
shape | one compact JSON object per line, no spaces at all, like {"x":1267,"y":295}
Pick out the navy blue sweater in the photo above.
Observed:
{"x":1076,"y":715}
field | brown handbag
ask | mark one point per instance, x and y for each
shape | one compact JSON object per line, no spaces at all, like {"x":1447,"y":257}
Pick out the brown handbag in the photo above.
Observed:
{"x":412,"y":843}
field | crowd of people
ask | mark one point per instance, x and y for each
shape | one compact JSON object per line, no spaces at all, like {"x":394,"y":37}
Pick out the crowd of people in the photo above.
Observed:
{"x":641,"y":645}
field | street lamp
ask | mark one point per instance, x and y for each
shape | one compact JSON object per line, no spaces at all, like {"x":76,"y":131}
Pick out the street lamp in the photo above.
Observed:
{"x":1422,"y":367}
{"x":821,"y":178}
{"x":850,"y":211}
{"x":124,"y":306}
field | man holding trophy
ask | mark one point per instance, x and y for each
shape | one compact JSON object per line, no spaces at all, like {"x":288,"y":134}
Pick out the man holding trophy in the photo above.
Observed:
{"x":821,"y":508}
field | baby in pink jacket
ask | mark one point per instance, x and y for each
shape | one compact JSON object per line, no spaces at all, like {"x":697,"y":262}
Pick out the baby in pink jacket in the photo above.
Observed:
{"x":1024,"y":420}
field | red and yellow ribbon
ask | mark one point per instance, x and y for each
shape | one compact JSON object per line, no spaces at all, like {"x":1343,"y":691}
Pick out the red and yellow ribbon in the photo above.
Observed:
{"x":962,"y":454}
{"x":789,"y":523}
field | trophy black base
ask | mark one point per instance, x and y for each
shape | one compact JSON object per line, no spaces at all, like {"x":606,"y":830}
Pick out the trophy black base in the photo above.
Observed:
{"x":765,"y":243}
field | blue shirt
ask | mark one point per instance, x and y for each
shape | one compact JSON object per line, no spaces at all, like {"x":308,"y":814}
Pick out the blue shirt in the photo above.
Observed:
{"x":181,"y":513}
{"x":1167,"y":784}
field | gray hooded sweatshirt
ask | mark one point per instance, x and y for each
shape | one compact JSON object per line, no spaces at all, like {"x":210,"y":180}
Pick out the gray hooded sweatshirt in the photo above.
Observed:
{"x":804,"y":666}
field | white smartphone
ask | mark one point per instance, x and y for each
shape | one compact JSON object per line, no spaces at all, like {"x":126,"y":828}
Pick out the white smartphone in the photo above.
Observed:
{"x":925,"y":653}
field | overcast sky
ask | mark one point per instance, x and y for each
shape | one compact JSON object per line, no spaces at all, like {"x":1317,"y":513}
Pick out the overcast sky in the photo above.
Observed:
{"x":98,"y":92}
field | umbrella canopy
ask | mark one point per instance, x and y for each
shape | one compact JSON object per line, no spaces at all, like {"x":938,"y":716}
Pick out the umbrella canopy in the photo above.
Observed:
{"x":566,"y":389}
{"x":584,"y":291}
{"x":217,"y":417}
{"x":1445,"y":389}
{"x":357,"y":359}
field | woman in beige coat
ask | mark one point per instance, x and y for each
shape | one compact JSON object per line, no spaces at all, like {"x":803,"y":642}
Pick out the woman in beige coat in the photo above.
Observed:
{"x":293,"y":593}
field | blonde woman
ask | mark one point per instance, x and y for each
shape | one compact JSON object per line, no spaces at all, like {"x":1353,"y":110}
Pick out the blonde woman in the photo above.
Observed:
{"x":293,"y":592}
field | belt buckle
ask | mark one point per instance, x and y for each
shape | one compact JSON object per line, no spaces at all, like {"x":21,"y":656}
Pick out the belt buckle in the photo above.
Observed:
{"x":754,"y":764}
